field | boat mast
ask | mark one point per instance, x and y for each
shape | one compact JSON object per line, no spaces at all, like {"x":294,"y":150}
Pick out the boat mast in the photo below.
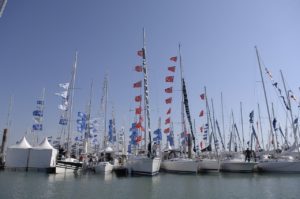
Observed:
{"x":265,"y":94}
{"x":88,"y":119}
{"x":262,"y":138}
{"x":291,"y":113}
{"x":223,"y":128}
{"x":105,"y":109}
{"x":71,"y":95}
{"x":242,"y":122}
{"x":214,"y":127}
{"x":146,"y":96}
{"x":183,"y":127}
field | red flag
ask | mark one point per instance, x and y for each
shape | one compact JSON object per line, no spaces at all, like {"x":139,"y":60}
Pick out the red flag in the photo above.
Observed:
{"x":169,"y":100}
{"x":138,"y":110}
{"x":171,"y":68}
{"x":140,"y":53}
{"x":167,"y":121}
{"x":167,"y":130}
{"x":169,"y":90}
{"x":169,"y":111}
{"x":138,"y":98}
{"x":201,"y":129}
{"x":201,"y":113}
{"x":137,"y":84}
{"x":169,"y":78}
{"x":201,"y":145}
{"x":138,"y":68}
{"x":141,"y":119}
{"x":174,"y":59}
{"x":138,"y":139}
{"x":138,"y":125}
{"x":202,"y":96}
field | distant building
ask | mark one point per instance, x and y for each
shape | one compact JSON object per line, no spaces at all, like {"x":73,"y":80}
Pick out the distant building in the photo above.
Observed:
{"x":2,"y":6}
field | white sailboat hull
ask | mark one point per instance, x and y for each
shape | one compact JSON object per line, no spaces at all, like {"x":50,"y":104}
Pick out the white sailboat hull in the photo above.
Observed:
{"x":180,"y":165}
{"x":237,"y":166}
{"x":208,"y":165}
{"x":143,"y":165}
{"x":279,"y":166}
{"x":103,"y":167}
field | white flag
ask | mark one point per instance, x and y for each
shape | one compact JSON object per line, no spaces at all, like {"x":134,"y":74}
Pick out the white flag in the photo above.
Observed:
{"x":62,"y":107}
{"x":64,"y":85}
{"x":63,"y":94}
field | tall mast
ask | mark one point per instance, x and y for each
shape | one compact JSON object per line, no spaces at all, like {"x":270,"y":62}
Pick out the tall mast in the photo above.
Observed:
{"x":182,"y":98}
{"x":262,"y":138}
{"x":105,"y":109}
{"x":214,"y":126}
{"x":146,"y":95}
{"x":88,"y":119}
{"x":265,"y":94}
{"x":8,"y":119}
{"x":223,"y":128}
{"x":242,"y":122}
{"x":71,"y":95}
{"x":291,"y":113}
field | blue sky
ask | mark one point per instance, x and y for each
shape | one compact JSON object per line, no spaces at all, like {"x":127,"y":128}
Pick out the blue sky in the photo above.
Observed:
{"x":38,"y":40}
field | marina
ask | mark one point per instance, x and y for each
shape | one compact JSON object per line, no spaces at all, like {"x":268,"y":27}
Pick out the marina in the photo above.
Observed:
{"x":147,"y":99}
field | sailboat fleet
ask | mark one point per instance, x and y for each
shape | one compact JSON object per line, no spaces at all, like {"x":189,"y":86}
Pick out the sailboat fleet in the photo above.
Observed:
{"x":104,"y":150}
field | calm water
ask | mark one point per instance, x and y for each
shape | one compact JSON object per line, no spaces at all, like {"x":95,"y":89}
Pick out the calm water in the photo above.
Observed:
{"x":167,"y":186}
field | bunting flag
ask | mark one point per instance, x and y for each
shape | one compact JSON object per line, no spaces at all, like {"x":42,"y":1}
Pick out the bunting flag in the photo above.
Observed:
{"x":168,"y":121}
{"x":174,"y":59}
{"x":138,"y":98}
{"x":140,"y":53}
{"x":138,"y":68}
{"x":138,"y":139}
{"x":201,"y":145}
{"x":169,"y":78}
{"x":169,"y":100}
{"x":138,"y":125}
{"x":202,"y":96}
{"x":138,"y":110}
{"x":201,"y":129}
{"x":171,"y":68}
{"x":137,"y":84}
{"x":64,"y":85}
{"x":169,"y":90}
{"x":63,"y":121}
{"x":37,"y":127}
{"x":63,"y":94}
{"x":201,"y":113}
{"x":167,"y":130}
{"x":293,"y":97}
{"x":38,"y":113}
{"x":40,"y":102}
{"x":251,"y":115}
{"x":269,"y":73}
{"x":169,"y":111}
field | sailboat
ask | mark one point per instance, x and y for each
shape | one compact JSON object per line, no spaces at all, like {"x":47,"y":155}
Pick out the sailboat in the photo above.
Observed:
{"x":235,"y":161}
{"x":176,"y":161}
{"x":106,"y":160}
{"x":65,"y":157}
{"x":288,"y":161}
{"x":145,"y":164}
{"x":209,"y":159}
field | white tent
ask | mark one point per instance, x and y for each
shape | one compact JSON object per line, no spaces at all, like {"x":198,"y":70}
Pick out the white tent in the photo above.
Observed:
{"x":42,"y":156}
{"x":17,"y":155}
